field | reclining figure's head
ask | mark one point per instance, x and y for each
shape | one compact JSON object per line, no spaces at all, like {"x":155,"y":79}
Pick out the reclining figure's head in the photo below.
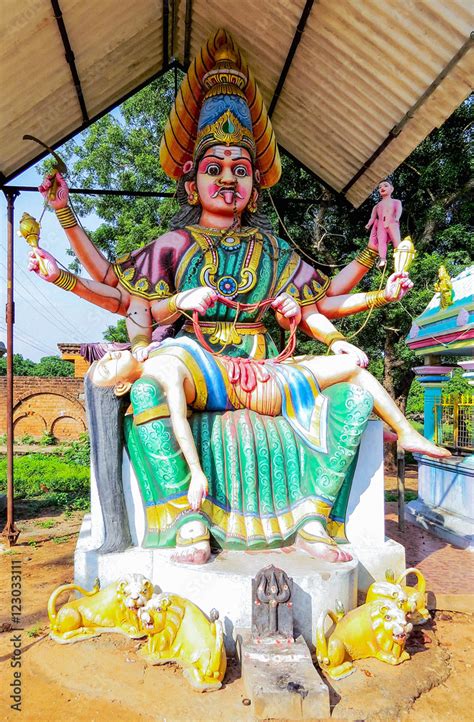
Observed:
{"x":118,"y":369}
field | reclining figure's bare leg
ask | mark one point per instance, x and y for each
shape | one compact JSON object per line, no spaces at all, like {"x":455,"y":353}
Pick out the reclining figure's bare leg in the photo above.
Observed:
{"x":335,"y":369}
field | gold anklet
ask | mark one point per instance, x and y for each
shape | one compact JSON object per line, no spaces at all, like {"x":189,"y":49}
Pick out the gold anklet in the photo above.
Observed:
{"x":313,"y":539}
{"x":66,"y":280}
{"x":66,"y":217}
{"x":183,"y":542}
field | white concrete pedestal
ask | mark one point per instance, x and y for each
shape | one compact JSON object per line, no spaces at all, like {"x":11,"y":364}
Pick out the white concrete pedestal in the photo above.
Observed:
{"x":445,"y":503}
{"x":225,"y":581}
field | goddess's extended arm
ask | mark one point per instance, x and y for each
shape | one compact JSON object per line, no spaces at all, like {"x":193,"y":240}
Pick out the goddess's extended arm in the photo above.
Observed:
{"x":320,"y":327}
{"x":100,"y":294}
{"x":347,"y":279}
{"x":90,"y":257}
{"x":398,"y":284}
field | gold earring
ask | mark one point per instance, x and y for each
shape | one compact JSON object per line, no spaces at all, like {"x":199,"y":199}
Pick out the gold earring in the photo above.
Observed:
{"x":193,"y":198}
{"x":252,"y":205}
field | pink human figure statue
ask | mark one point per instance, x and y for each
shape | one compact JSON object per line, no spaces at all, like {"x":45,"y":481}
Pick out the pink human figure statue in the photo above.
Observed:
{"x":384,"y":221}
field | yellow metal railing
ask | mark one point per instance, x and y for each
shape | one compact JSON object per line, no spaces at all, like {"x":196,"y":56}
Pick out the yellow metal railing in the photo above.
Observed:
{"x":454,"y":422}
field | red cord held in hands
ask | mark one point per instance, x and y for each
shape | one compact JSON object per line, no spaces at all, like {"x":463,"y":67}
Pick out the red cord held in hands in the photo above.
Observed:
{"x":287,"y":351}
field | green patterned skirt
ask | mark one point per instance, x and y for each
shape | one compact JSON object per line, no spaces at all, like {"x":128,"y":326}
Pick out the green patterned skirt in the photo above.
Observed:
{"x":265,"y":483}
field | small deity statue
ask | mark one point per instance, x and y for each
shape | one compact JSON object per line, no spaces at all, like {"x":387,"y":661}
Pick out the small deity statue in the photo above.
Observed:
{"x":444,"y":287}
{"x":384,"y":221}
{"x":266,"y":486}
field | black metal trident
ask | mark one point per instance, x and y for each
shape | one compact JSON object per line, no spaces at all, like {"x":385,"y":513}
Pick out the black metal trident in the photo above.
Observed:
{"x":272,"y":589}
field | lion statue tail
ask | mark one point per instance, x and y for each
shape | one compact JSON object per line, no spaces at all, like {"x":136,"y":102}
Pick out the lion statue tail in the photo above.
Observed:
{"x":321,"y":638}
{"x":217,"y":660}
{"x":52,"y":612}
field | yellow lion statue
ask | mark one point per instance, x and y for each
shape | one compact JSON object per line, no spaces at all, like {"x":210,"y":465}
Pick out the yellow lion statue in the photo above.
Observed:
{"x":411,"y":599}
{"x":376,"y":629}
{"x":178,"y":631}
{"x":113,"y":609}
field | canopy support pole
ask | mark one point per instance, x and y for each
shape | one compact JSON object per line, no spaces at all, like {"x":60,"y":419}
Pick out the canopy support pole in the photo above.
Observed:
{"x":10,"y":530}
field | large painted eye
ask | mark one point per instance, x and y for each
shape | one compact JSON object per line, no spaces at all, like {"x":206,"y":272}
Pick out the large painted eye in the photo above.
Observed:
{"x":241,"y":171}
{"x":213,"y":169}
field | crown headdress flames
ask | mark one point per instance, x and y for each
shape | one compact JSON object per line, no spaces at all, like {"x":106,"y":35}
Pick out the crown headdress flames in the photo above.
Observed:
{"x":219,"y":103}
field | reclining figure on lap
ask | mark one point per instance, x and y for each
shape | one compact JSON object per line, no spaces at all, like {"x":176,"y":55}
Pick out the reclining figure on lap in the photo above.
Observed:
{"x":220,"y":146}
{"x":171,"y":365}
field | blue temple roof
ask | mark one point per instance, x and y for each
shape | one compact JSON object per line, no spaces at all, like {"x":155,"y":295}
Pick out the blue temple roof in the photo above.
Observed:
{"x":447,"y":331}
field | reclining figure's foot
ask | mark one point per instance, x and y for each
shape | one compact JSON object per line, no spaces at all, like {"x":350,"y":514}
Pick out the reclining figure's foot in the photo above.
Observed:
{"x":192,"y":544}
{"x":314,"y":540}
{"x":411,"y":440}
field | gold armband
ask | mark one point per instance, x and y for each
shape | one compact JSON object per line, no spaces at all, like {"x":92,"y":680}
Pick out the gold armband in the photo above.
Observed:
{"x":367,"y":257}
{"x":375,"y":299}
{"x":66,"y":280}
{"x":172,"y":307}
{"x":66,"y":217}
{"x":330,"y":338}
{"x":139,"y":341}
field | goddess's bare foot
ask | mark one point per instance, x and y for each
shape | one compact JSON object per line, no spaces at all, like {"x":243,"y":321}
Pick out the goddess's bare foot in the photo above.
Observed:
{"x":321,"y":550}
{"x":413,"y":441}
{"x":195,"y":554}
{"x":314,"y":540}
{"x":192,"y":544}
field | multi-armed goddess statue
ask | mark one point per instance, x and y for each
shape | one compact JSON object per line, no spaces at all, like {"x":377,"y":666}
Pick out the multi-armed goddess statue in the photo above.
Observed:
{"x":267,"y":457}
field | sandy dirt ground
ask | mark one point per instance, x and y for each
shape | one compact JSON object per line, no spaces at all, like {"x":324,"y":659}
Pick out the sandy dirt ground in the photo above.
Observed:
{"x":55,"y":691}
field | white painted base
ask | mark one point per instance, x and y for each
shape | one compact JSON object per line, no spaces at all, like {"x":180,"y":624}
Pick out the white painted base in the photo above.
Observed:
{"x":448,"y":526}
{"x":225,"y":582}
{"x":445,"y":503}
{"x":375,"y":560}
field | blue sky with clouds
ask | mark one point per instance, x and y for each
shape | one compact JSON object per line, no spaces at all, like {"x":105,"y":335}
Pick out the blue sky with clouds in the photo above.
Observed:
{"x":44,"y":315}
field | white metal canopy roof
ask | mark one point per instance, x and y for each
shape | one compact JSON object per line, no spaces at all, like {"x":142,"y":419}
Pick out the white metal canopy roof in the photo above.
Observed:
{"x":353,"y":86}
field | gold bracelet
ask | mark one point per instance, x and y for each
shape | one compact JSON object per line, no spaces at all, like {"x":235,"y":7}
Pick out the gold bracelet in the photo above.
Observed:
{"x":330,"y":338}
{"x":66,"y":280}
{"x":139,"y":341}
{"x":66,"y":217}
{"x":172,"y":307}
{"x":367,"y":257}
{"x":375,"y":299}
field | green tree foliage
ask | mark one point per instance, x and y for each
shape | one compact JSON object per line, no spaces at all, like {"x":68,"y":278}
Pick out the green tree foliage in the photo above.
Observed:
{"x":435,"y":185}
{"x":47,"y":366}
{"x":117,"y":333}
{"x":121,"y":151}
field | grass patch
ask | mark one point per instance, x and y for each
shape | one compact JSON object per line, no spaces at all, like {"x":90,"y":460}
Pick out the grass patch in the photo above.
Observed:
{"x":60,"y":480}
{"x":48,"y":524}
{"x":60,"y":539}
{"x":35,"y":631}
{"x":393,"y":495}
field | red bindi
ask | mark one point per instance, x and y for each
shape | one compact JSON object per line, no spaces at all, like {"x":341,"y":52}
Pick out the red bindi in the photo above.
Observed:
{"x":227,"y":152}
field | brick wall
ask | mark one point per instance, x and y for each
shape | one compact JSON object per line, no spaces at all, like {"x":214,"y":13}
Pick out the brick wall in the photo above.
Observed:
{"x":53,"y":405}
{"x":81,"y":366}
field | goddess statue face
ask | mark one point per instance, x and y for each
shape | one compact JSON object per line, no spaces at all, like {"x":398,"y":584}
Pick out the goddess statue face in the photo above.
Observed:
{"x":114,"y":367}
{"x":224,"y":180}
